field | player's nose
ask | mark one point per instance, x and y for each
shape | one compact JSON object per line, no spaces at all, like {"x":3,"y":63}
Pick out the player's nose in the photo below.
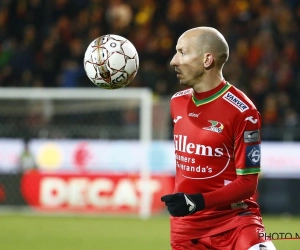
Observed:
{"x":174,"y":61}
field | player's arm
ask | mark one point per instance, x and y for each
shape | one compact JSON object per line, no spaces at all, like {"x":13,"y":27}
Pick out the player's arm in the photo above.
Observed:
{"x":241,"y":188}
{"x":247,"y":161}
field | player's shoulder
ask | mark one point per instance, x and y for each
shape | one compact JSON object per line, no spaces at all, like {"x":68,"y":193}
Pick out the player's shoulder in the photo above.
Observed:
{"x":238,"y":99}
{"x":183,"y":93}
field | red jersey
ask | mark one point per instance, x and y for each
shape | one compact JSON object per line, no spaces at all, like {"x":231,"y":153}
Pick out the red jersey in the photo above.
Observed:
{"x":216,"y":138}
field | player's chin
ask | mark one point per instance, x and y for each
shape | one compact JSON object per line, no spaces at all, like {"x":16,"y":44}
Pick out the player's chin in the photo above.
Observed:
{"x":182,"y":80}
{"x":183,"y":83}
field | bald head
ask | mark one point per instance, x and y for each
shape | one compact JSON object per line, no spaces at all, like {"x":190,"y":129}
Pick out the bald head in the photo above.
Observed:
{"x":209,"y":40}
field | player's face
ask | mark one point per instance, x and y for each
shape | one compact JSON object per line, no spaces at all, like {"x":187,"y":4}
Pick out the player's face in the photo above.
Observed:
{"x":188,"y":61}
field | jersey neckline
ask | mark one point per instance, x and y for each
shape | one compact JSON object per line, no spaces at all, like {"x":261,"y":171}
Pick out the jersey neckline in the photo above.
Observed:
{"x":210,"y":95}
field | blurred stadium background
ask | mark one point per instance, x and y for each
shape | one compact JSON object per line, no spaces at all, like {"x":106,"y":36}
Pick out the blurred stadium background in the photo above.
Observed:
{"x":95,"y":166}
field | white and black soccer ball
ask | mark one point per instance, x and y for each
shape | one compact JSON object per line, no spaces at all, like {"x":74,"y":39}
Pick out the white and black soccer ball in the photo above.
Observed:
{"x":111,"y":61}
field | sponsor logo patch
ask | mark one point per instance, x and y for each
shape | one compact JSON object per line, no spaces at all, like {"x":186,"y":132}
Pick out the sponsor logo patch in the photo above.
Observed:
{"x":251,"y":136}
{"x":183,"y":92}
{"x":235,"y":101}
{"x":194,"y":114}
{"x":189,"y":203}
{"x":251,"y":119}
{"x":177,"y":118}
{"x":253,"y":156}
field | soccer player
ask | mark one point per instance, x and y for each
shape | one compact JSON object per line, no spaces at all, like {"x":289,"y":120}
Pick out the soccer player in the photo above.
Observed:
{"x":217,"y":149}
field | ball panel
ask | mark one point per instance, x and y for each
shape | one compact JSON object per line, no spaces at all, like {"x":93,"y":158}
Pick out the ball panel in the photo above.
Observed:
{"x":117,"y":37}
{"x":100,"y":55}
{"x":112,"y":46}
{"x":90,"y":69}
{"x":103,"y":72}
{"x":129,"y":49}
{"x":102,"y":84}
{"x":119,"y":78}
{"x":137,"y":61}
{"x":130,"y":66}
{"x":116,"y":61}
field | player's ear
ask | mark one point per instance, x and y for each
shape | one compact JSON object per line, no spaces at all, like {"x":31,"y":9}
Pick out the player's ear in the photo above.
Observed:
{"x":208,"y":60}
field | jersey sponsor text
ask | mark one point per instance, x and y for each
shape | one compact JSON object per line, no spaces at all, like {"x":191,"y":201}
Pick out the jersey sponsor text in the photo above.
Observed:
{"x":182,"y":145}
{"x":183,"y":92}
{"x":235,"y":101}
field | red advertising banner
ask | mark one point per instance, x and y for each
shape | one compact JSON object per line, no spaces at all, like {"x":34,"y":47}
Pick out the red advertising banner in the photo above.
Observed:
{"x":95,"y":193}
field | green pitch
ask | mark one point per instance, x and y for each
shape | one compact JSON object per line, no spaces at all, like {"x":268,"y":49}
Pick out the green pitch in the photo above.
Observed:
{"x":30,"y":232}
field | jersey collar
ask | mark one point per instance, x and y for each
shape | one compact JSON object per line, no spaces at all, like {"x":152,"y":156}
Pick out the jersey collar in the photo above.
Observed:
{"x":209,"y":96}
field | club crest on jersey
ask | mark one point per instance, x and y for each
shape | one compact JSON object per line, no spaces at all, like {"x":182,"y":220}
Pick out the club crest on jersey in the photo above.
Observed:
{"x":216,"y":126}
{"x":235,"y":101}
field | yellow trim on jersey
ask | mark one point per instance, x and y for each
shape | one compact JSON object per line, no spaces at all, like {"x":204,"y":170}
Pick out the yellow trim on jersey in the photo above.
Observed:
{"x":248,"y":171}
{"x":212,"y":97}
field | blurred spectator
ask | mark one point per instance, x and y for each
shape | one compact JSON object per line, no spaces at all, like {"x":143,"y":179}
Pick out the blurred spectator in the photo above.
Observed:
{"x":269,"y":112}
{"x":119,"y":16}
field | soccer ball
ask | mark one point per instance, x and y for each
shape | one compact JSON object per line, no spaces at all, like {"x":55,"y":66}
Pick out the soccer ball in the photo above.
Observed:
{"x":111,"y":61}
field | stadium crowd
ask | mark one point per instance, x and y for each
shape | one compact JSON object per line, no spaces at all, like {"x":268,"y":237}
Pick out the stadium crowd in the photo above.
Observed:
{"x":42,"y":44}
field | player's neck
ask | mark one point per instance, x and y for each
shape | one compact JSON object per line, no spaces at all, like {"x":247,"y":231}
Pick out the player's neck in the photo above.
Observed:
{"x":207,"y":84}
{"x":206,"y":94}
